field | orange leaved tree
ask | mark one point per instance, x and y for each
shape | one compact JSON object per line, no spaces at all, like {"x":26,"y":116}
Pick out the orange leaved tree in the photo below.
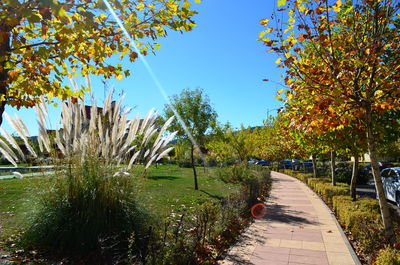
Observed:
{"x":342,"y":63}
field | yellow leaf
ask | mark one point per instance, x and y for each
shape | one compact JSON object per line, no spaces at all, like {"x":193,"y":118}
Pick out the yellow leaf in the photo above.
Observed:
{"x":119,"y":77}
{"x":278,"y":61}
{"x":378,"y":93}
{"x":337,"y":6}
{"x":198,"y":1}
{"x":140,"y":7}
{"x":280,"y":91}
{"x":264,"y":22}
{"x":262,"y":33}
{"x":281,"y":2}
{"x":302,"y":8}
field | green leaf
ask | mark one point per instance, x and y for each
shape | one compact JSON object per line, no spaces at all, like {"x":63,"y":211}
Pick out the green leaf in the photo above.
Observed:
{"x":281,"y":2}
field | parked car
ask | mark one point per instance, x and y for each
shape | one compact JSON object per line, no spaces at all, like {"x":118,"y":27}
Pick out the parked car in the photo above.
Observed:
{"x":295,"y":164}
{"x":252,"y":162}
{"x":382,"y":166}
{"x":391,"y":184}
{"x":307,"y":164}
{"x":286,"y":164}
{"x":263,"y":163}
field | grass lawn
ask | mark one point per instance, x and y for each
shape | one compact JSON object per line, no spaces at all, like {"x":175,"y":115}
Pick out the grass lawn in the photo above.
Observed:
{"x":169,"y":187}
{"x":165,"y":189}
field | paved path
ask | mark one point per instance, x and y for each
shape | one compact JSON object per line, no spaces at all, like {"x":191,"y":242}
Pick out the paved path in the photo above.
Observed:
{"x":298,"y":229}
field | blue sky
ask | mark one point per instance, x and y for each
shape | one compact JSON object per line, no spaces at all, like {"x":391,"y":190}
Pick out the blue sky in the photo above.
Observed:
{"x":221,"y":55}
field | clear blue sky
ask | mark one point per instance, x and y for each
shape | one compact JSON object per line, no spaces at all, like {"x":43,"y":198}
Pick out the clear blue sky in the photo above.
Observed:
{"x":221,"y":55}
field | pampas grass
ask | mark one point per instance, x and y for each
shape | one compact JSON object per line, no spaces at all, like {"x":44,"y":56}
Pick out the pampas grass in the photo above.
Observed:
{"x":108,"y":134}
{"x":91,"y":198}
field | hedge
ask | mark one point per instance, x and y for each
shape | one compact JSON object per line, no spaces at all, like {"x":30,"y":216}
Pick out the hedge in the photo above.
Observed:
{"x":362,"y":218}
{"x":388,"y":256}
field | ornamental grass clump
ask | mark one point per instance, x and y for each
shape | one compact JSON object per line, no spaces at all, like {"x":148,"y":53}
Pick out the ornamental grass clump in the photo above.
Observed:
{"x":85,"y":208}
{"x":89,"y":204}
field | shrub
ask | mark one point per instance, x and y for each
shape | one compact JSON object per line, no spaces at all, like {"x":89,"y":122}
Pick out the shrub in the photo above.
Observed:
{"x":313,"y":181}
{"x":84,"y":208}
{"x":184,"y":163}
{"x":388,"y":256}
{"x":203,"y":236}
{"x":238,"y":173}
{"x":363,"y":220}
{"x":327,"y":191}
{"x":301,"y":176}
{"x":344,"y":172}
{"x":91,"y":205}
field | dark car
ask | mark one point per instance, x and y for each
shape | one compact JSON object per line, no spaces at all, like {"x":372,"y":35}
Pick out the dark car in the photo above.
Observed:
{"x":307,"y":164}
{"x":295,"y":164}
{"x":382,"y":166}
{"x":286,"y":164}
{"x":262,"y":163}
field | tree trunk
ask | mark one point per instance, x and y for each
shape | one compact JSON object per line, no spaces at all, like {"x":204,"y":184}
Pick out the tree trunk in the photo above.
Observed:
{"x":387,"y":222}
{"x":4,"y":52}
{"x":333,"y":167}
{"x":354,"y":177}
{"x":196,"y":186}
{"x":314,"y":166}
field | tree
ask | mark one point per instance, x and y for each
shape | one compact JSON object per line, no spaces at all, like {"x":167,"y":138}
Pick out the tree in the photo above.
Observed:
{"x":195,"y":111}
{"x":277,"y":140}
{"x":43,"y":41}
{"x":342,"y":62}
{"x":239,"y":145}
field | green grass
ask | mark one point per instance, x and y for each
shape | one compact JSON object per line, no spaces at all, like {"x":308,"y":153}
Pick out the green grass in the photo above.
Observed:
{"x":168,"y":188}
{"x":19,"y":165}
{"x":17,"y":203}
{"x":163,"y":190}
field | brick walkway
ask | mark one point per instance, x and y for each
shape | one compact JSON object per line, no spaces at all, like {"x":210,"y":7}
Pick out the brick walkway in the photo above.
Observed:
{"x":298,"y":229}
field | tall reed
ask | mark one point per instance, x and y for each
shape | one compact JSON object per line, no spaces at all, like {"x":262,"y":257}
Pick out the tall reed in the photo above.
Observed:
{"x":91,"y":199}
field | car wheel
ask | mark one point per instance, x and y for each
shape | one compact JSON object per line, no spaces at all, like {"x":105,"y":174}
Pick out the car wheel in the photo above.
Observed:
{"x":398,"y":199}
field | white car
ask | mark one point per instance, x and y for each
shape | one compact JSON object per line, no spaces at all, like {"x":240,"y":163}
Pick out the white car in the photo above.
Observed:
{"x":391,"y":184}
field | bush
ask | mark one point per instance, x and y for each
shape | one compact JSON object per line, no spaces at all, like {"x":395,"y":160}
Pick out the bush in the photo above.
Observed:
{"x":344,"y":172}
{"x":362,"y":218}
{"x":85,"y":208}
{"x":312,"y":182}
{"x":238,"y":173}
{"x":184,"y":163}
{"x":388,"y":256}
{"x":327,"y":191}
{"x":300,"y":176}
{"x":202,"y":236}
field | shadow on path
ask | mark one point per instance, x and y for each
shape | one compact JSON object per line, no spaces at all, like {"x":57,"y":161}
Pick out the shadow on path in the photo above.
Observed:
{"x":278,"y":213}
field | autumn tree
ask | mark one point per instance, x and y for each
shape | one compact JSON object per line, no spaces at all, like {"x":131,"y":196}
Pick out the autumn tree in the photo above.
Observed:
{"x":44,"y":41}
{"x":194,"y":109}
{"x":342,"y":62}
